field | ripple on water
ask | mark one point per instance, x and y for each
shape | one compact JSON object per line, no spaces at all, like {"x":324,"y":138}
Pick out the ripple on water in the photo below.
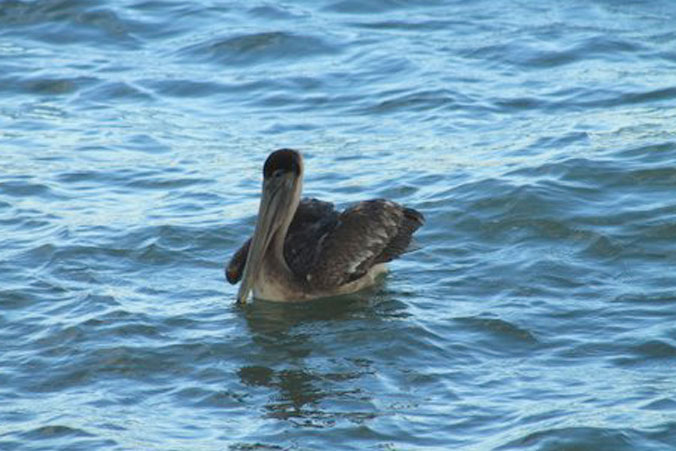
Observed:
{"x":58,"y":435}
{"x":106,"y":92}
{"x":501,"y":336}
{"x":648,"y":353}
{"x":581,"y":438}
{"x":257,"y":48}
{"x":70,"y":22}
{"x":39,"y":85}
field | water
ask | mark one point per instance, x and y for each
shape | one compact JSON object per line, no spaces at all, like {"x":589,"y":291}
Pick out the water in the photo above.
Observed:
{"x":537,"y":138}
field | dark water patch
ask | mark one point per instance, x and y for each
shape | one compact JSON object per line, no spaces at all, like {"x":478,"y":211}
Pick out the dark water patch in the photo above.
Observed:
{"x":588,"y":180}
{"x":356,"y":7}
{"x":656,"y":297}
{"x":163,"y":182}
{"x":285,"y":100}
{"x":498,"y":333}
{"x":153,"y":365}
{"x":652,"y":96}
{"x":253,"y":446}
{"x":568,"y":351}
{"x":250,"y":49}
{"x":54,"y":432}
{"x":69,"y":22}
{"x":415,"y":25}
{"x":15,"y":299}
{"x":24,"y":187}
{"x":413,"y":102}
{"x":294,"y":93}
{"x":271,"y":316}
{"x":75,"y":320}
{"x":662,"y":404}
{"x":539,"y":210}
{"x":90,"y":178}
{"x":647,"y":178}
{"x":155,"y":255}
{"x":570,"y":438}
{"x":166,"y":21}
{"x":41,"y":85}
{"x":59,"y":436}
{"x":373,"y":67}
{"x":519,"y":103}
{"x":610,"y":175}
{"x":113,"y":326}
{"x":649,"y":353}
{"x":602,"y":247}
{"x":212,"y":399}
{"x":30,"y":226}
{"x":107,"y":26}
{"x":511,"y":208}
{"x":558,"y":141}
{"x":609,"y":49}
{"x":191,"y":240}
{"x":144,"y":246}
{"x":661,"y":153}
{"x":31,"y":13}
{"x":146,"y":143}
{"x":80,"y":262}
{"x":620,"y":98}
{"x":188,"y":88}
{"x":30,"y":118}
{"x":667,"y":55}
{"x":107,"y":92}
{"x":582,"y":99}
{"x":545,"y":60}
{"x":277,"y":12}
{"x":155,"y":179}
{"x":186,"y":204}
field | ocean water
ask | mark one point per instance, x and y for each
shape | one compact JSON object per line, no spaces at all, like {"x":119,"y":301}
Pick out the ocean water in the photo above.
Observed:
{"x":538,"y":138}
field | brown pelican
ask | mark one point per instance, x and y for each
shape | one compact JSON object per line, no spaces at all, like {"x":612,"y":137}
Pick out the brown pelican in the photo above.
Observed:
{"x":304,"y":249}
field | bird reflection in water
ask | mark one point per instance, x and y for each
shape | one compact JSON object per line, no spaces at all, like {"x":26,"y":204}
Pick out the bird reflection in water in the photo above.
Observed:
{"x":310,"y":378}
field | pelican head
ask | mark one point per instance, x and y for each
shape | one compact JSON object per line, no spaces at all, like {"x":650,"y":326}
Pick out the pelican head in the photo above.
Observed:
{"x":282,"y":183}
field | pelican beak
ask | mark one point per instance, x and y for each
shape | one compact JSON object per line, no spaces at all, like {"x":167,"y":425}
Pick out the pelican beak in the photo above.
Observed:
{"x":275,"y":201}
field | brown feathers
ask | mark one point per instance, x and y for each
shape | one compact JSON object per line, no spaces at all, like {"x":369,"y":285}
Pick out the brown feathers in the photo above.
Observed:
{"x":368,"y":233}
{"x":326,"y":249}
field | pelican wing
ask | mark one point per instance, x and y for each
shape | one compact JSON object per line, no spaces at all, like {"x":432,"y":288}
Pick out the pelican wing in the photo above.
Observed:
{"x":312,"y":221}
{"x":368,"y":233}
{"x":234,"y":270}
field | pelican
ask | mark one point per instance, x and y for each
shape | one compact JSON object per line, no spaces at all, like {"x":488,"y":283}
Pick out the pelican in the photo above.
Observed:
{"x":305,"y":249}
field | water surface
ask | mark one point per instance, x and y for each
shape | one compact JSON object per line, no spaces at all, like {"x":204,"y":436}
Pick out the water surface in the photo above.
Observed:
{"x":538,"y":140}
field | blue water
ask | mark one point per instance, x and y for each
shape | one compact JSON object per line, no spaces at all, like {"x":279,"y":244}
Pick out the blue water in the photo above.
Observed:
{"x":538,"y":138}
